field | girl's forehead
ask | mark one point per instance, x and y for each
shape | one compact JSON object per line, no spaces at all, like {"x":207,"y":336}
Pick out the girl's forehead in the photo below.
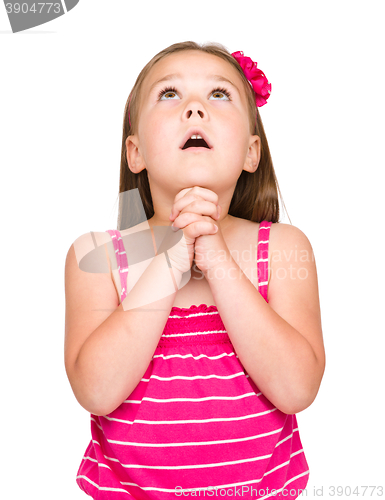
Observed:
{"x":191,"y":64}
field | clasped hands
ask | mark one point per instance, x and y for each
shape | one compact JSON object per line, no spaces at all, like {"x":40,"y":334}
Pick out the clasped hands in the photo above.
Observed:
{"x":195,"y":211}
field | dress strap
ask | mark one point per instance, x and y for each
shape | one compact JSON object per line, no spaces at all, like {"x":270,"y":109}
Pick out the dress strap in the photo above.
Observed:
{"x":263,"y":257}
{"x":121,"y":259}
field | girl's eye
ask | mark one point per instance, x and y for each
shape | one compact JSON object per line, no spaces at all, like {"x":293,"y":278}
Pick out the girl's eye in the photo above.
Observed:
{"x":218,"y":95}
{"x":167,"y":94}
{"x":170,"y":93}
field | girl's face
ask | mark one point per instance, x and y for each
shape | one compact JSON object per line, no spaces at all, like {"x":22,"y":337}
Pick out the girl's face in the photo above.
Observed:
{"x":186,"y":93}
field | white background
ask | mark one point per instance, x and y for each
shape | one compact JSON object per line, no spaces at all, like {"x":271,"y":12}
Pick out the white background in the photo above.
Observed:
{"x":63,"y":90}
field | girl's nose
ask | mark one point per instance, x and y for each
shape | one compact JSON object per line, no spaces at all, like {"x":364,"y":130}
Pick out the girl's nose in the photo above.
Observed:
{"x":192,"y":112}
{"x":194,"y":109}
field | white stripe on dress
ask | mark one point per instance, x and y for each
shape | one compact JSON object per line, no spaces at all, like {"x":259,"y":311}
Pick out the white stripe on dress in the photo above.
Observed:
{"x":193,"y":315}
{"x":196,"y":377}
{"x":195,"y":421}
{"x":196,"y":400}
{"x":195,"y":443}
{"x":190,"y":334}
{"x":184,"y":356}
{"x":207,"y":488}
{"x":193,"y":466}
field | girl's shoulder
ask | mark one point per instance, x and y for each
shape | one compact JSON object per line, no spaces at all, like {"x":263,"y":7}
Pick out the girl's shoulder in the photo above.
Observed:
{"x":95,"y":252}
{"x":281,"y":235}
{"x":90,"y":251}
{"x":286,"y":238}
{"x":292,"y":269}
{"x":288,"y":245}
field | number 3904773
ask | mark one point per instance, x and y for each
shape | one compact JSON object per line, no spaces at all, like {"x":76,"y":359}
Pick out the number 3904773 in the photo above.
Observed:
{"x":357,"y":491}
{"x":38,"y":8}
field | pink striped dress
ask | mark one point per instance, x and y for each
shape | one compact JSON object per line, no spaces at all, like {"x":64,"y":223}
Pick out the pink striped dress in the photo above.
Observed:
{"x":196,"y":424}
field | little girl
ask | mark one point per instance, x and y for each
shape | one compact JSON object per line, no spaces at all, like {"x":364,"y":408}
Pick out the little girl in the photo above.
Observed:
{"x":193,"y":349}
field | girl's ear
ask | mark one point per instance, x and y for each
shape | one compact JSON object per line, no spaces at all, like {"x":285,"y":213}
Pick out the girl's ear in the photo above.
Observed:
{"x":134,"y":158}
{"x":253,"y":155}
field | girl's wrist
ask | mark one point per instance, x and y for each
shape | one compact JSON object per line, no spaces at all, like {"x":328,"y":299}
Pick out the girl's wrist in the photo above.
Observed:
{"x":222,"y":269}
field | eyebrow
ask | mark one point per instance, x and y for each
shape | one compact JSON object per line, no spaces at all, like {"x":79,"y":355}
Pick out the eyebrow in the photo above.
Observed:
{"x":217,"y":78}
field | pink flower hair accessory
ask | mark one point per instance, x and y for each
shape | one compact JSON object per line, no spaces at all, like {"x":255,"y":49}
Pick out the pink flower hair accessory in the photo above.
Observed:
{"x":257,"y":79}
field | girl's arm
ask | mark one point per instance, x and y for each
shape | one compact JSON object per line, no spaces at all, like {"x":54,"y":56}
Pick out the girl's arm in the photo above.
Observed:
{"x":279,"y":343}
{"x":108,"y":348}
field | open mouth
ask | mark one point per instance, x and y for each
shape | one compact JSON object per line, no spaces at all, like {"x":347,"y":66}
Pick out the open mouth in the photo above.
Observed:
{"x":196,"y":141}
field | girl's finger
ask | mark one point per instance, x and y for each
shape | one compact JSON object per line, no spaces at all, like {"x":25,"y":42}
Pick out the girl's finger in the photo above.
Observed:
{"x":184,"y":220}
{"x":205,"y":193}
{"x":195,"y":225}
{"x":186,"y":203}
{"x":199,"y":207}
{"x":180,"y":204}
{"x":197,"y":192}
{"x":182,"y":193}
